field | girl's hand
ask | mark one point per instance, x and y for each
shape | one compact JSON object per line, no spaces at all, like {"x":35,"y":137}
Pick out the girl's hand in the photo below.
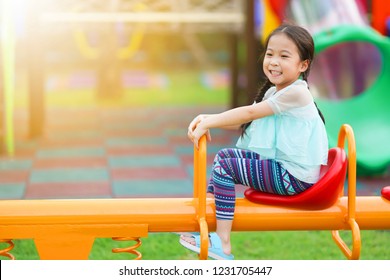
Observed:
{"x":195,"y":122}
{"x":195,"y":131}
{"x":197,"y":134}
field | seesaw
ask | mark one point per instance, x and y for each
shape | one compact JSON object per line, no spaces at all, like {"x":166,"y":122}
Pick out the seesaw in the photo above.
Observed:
{"x":66,"y":229}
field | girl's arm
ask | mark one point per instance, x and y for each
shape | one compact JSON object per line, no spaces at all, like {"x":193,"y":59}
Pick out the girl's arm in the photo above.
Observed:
{"x":200,"y":117}
{"x":231,"y":127}
{"x":231,"y":118}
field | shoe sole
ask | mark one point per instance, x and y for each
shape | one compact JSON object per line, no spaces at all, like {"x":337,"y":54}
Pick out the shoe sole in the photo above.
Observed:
{"x":197,"y":250}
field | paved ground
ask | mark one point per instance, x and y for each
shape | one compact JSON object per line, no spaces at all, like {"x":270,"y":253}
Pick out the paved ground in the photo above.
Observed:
{"x":96,"y":153}
{"x":112,"y":153}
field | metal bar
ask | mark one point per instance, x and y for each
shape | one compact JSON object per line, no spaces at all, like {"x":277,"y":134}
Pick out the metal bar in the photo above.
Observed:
{"x":8,"y":72}
{"x":180,"y":214}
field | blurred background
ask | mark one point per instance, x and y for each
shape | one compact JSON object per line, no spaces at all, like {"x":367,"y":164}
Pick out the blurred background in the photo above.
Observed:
{"x":96,"y":96}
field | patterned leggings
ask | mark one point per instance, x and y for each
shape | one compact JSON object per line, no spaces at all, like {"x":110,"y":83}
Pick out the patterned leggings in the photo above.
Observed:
{"x":236,"y":166}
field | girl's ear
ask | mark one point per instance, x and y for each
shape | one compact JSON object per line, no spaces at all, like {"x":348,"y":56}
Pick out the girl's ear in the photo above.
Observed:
{"x":304,"y":65}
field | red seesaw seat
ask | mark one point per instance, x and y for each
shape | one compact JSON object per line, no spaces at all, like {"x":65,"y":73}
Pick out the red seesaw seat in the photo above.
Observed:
{"x":321,"y":195}
{"x":386,"y":192}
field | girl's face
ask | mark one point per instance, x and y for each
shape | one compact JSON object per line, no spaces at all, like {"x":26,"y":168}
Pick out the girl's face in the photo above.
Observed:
{"x":282,"y":64}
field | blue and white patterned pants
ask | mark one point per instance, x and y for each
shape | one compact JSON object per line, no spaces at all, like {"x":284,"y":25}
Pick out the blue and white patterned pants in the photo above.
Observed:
{"x":236,"y":166}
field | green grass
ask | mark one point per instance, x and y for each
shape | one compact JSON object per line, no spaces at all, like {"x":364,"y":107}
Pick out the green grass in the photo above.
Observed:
{"x":281,"y":245}
{"x":185,"y":88}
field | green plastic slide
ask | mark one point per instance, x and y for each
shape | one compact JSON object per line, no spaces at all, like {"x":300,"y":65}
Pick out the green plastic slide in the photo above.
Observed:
{"x":368,"y":112}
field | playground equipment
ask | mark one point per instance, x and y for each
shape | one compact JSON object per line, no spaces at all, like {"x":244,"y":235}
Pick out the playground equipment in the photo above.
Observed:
{"x":66,"y":229}
{"x":123,"y":53}
{"x":367,"y":112}
{"x":320,"y":196}
{"x":381,"y":16}
{"x":315,"y":15}
{"x":8,"y":75}
{"x":155,"y":16}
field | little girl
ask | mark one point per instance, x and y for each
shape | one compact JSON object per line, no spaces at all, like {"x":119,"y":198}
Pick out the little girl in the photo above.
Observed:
{"x":283,"y":142}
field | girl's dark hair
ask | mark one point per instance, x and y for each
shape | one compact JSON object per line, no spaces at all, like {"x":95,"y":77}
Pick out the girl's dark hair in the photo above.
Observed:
{"x":305,"y":44}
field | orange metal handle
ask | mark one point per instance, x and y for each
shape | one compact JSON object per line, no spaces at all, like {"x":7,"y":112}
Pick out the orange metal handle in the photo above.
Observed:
{"x":200,"y":165}
{"x":346,"y":133}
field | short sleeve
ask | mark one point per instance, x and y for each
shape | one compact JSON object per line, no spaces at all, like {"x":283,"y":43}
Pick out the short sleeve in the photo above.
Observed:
{"x":295,"y":97}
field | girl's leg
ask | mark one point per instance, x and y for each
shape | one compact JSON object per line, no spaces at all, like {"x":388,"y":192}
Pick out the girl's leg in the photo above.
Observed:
{"x":231,"y":167}
{"x":223,"y":229}
{"x":263,"y":175}
{"x":224,"y":226}
{"x":229,"y":153}
{"x":235,"y":166}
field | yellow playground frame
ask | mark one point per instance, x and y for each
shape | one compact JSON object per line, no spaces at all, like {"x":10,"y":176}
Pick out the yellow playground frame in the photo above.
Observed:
{"x":66,"y":229}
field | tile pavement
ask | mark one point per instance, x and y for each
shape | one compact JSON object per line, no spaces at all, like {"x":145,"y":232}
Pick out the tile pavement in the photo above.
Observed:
{"x":106,"y":153}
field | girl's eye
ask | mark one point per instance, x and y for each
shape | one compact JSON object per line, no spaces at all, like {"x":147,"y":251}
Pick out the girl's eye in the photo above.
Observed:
{"x":268,"y":54}
{"x":285,"y":56}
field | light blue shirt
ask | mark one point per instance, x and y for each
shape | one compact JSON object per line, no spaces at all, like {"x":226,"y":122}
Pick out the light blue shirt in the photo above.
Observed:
{"x":295,"y":135}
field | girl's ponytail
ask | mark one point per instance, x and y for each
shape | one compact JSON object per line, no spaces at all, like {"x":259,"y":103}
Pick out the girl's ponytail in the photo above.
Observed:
{"x":304,"y":77}
{"x":320,"y":113}
{"x":258,"y":98}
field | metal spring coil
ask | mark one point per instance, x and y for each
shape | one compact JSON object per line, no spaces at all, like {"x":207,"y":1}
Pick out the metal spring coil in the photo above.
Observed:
{"x":129,"y":249}
{"x":6,"y":251}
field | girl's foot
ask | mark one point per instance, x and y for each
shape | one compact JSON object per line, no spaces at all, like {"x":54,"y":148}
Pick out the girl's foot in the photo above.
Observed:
{"x":191,"y":239}
{"x":215,"y":250}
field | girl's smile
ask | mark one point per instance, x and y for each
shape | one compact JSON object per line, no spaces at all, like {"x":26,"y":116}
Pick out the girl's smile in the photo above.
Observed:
{"x":275,"y":73}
